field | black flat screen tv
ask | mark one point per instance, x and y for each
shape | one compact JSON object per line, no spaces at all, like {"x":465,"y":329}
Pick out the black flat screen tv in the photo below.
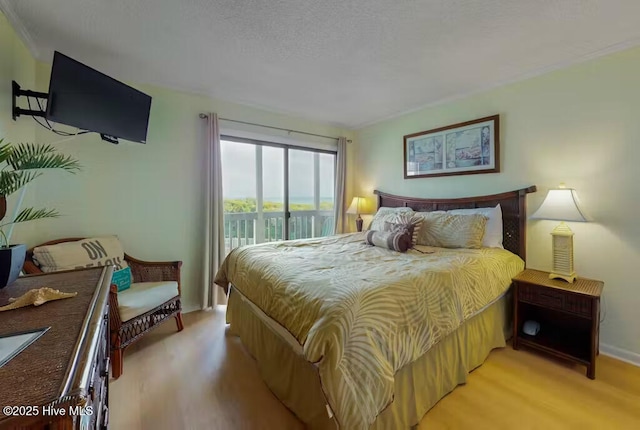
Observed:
{"x":82,"y":97}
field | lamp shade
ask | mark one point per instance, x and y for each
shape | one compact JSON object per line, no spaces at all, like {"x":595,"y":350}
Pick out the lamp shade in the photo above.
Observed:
{"x":561,"y":205}
{"x":358,"y":206}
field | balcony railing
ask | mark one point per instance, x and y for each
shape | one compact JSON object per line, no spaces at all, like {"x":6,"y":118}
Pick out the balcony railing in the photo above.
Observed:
{"x":247,"y":228}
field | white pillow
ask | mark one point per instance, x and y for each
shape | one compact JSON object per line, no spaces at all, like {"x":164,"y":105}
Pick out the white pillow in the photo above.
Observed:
{"x":386,"y":214}
{"x":493,"y":230}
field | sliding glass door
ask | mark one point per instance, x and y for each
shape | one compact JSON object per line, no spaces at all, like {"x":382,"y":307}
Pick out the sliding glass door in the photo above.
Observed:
{"x":275,"y":192}
{"x":311,"y":189}
{"x":270,"y":207}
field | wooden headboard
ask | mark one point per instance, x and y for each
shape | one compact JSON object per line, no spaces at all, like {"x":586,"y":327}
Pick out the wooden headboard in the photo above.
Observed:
{"x":513,"y":204}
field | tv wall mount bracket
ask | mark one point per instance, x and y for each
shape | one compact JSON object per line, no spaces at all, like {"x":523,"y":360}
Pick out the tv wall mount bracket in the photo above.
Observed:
{"x":16,"y":111}
{"x":16,"y":92}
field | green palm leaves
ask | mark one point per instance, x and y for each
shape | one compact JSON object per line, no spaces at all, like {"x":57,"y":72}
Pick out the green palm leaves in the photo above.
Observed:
{"x":26,"y":156}
{"x":24,"y":162}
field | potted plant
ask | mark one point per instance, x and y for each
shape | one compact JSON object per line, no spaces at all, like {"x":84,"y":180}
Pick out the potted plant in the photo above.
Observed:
{"x":21,"y":164}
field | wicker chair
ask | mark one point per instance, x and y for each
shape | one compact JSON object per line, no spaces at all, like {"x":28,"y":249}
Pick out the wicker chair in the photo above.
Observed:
{"x":124,"y":333}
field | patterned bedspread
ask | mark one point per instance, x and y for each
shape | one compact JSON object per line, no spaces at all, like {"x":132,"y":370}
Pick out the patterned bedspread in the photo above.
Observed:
{"x":362,"y":312}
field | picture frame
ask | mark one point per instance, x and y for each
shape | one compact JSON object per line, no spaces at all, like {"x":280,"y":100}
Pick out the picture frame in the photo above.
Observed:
{"x":465,"y":148}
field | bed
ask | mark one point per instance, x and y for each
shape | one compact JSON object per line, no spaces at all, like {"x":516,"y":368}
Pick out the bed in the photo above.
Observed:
{"x":350,"y":336}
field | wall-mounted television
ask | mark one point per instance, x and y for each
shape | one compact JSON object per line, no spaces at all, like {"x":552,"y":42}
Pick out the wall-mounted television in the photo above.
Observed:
{"x":82,"y":97}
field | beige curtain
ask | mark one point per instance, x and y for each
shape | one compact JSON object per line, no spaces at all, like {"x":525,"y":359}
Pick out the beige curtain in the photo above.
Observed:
{"x":341,"y":175}
{"x":214,"y":218}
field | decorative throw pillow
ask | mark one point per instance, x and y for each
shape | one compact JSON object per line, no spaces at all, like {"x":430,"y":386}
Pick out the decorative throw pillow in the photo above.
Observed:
{"x":396,"y":241}
{"x":493,"y":230}
{"x":122,"y":278}
{"x":446,"y":230}
{"x":386,"y":214}
{"x":93,"y":252}
{"x":406,"y":222}
{"x":398,"y":228}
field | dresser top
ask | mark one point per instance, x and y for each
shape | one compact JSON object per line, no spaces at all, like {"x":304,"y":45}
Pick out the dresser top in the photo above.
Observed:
{"x":47,"y":371}
{"x":589,"y":287}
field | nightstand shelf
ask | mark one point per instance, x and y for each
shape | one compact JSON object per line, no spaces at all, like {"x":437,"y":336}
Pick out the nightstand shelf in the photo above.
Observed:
{"x":558,"y":344}
{"x":568,"y":315}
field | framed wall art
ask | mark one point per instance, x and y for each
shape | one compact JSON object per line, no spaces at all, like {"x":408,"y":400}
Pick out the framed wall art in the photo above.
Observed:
{"x":460,"y":149}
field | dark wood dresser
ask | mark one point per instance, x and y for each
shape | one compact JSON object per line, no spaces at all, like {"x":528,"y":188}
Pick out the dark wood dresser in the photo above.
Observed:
{"x":61,"y":380}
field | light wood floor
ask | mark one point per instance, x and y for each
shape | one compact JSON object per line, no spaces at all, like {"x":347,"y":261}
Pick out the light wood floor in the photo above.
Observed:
{"x":201,"y":379}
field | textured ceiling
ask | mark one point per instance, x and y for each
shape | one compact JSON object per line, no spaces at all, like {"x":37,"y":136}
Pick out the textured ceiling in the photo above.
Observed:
{"x":344,"y":62}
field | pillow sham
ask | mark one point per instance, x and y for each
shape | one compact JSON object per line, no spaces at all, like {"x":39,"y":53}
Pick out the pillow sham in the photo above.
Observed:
{"x":493,"y":230}
{"x":386,"y":214}
{"x":447,"y":230}
{"x":396,"y":241}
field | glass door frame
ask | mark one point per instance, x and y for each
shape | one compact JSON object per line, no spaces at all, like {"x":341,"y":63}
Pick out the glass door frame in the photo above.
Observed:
{"x":259,"y":189}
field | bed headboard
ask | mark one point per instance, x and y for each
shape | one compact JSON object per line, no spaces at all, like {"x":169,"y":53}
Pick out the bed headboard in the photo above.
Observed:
{"x":513,"y":204}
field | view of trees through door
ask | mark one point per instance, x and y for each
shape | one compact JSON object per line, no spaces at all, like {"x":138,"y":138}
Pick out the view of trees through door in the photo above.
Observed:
{"x":275,"y":192}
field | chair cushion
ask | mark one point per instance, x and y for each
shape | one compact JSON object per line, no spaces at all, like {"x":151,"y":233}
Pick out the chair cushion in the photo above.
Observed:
{"x":144,"y":296}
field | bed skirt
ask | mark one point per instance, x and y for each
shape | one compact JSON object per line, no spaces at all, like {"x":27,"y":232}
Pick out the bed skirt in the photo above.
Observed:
{"x":418,"y":385}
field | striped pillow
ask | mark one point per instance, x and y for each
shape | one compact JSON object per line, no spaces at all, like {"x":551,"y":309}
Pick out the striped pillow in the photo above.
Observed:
{"x":447,"y":230}
{"x":407,"y":222}
{"x":396,"y":241}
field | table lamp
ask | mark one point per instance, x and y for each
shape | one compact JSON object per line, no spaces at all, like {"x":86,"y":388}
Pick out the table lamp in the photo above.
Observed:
{"x":358,"y":206}
{"x":561,"y":204}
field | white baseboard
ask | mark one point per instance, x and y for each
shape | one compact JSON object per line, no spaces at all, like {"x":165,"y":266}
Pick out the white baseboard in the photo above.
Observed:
{"x":620,"y":354}
{"x":190,"y":308}
{"x":193,"y":308}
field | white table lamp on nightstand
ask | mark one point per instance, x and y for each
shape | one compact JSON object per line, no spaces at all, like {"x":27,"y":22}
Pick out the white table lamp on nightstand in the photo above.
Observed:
{"x":561,"y":204}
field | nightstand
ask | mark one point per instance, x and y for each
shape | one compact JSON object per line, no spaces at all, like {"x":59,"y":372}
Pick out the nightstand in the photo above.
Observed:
{"x":568,"y":314}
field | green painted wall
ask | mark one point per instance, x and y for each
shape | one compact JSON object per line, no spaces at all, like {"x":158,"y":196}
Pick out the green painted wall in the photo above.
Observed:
{"x":579,"y":125}
{"x":16,"y":63}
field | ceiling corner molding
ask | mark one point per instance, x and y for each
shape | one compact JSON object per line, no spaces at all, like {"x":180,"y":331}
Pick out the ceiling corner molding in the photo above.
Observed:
{"x":19,"y":27}
{"x":612,"y":49}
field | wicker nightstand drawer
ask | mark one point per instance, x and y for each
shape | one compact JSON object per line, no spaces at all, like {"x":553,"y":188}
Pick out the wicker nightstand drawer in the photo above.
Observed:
{"x":578,"y":304}
{"x":544,"y":297}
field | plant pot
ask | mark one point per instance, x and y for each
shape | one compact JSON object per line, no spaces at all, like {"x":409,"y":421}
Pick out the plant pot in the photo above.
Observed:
{"x":11,"y":261}
{"x":3,"y":206}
